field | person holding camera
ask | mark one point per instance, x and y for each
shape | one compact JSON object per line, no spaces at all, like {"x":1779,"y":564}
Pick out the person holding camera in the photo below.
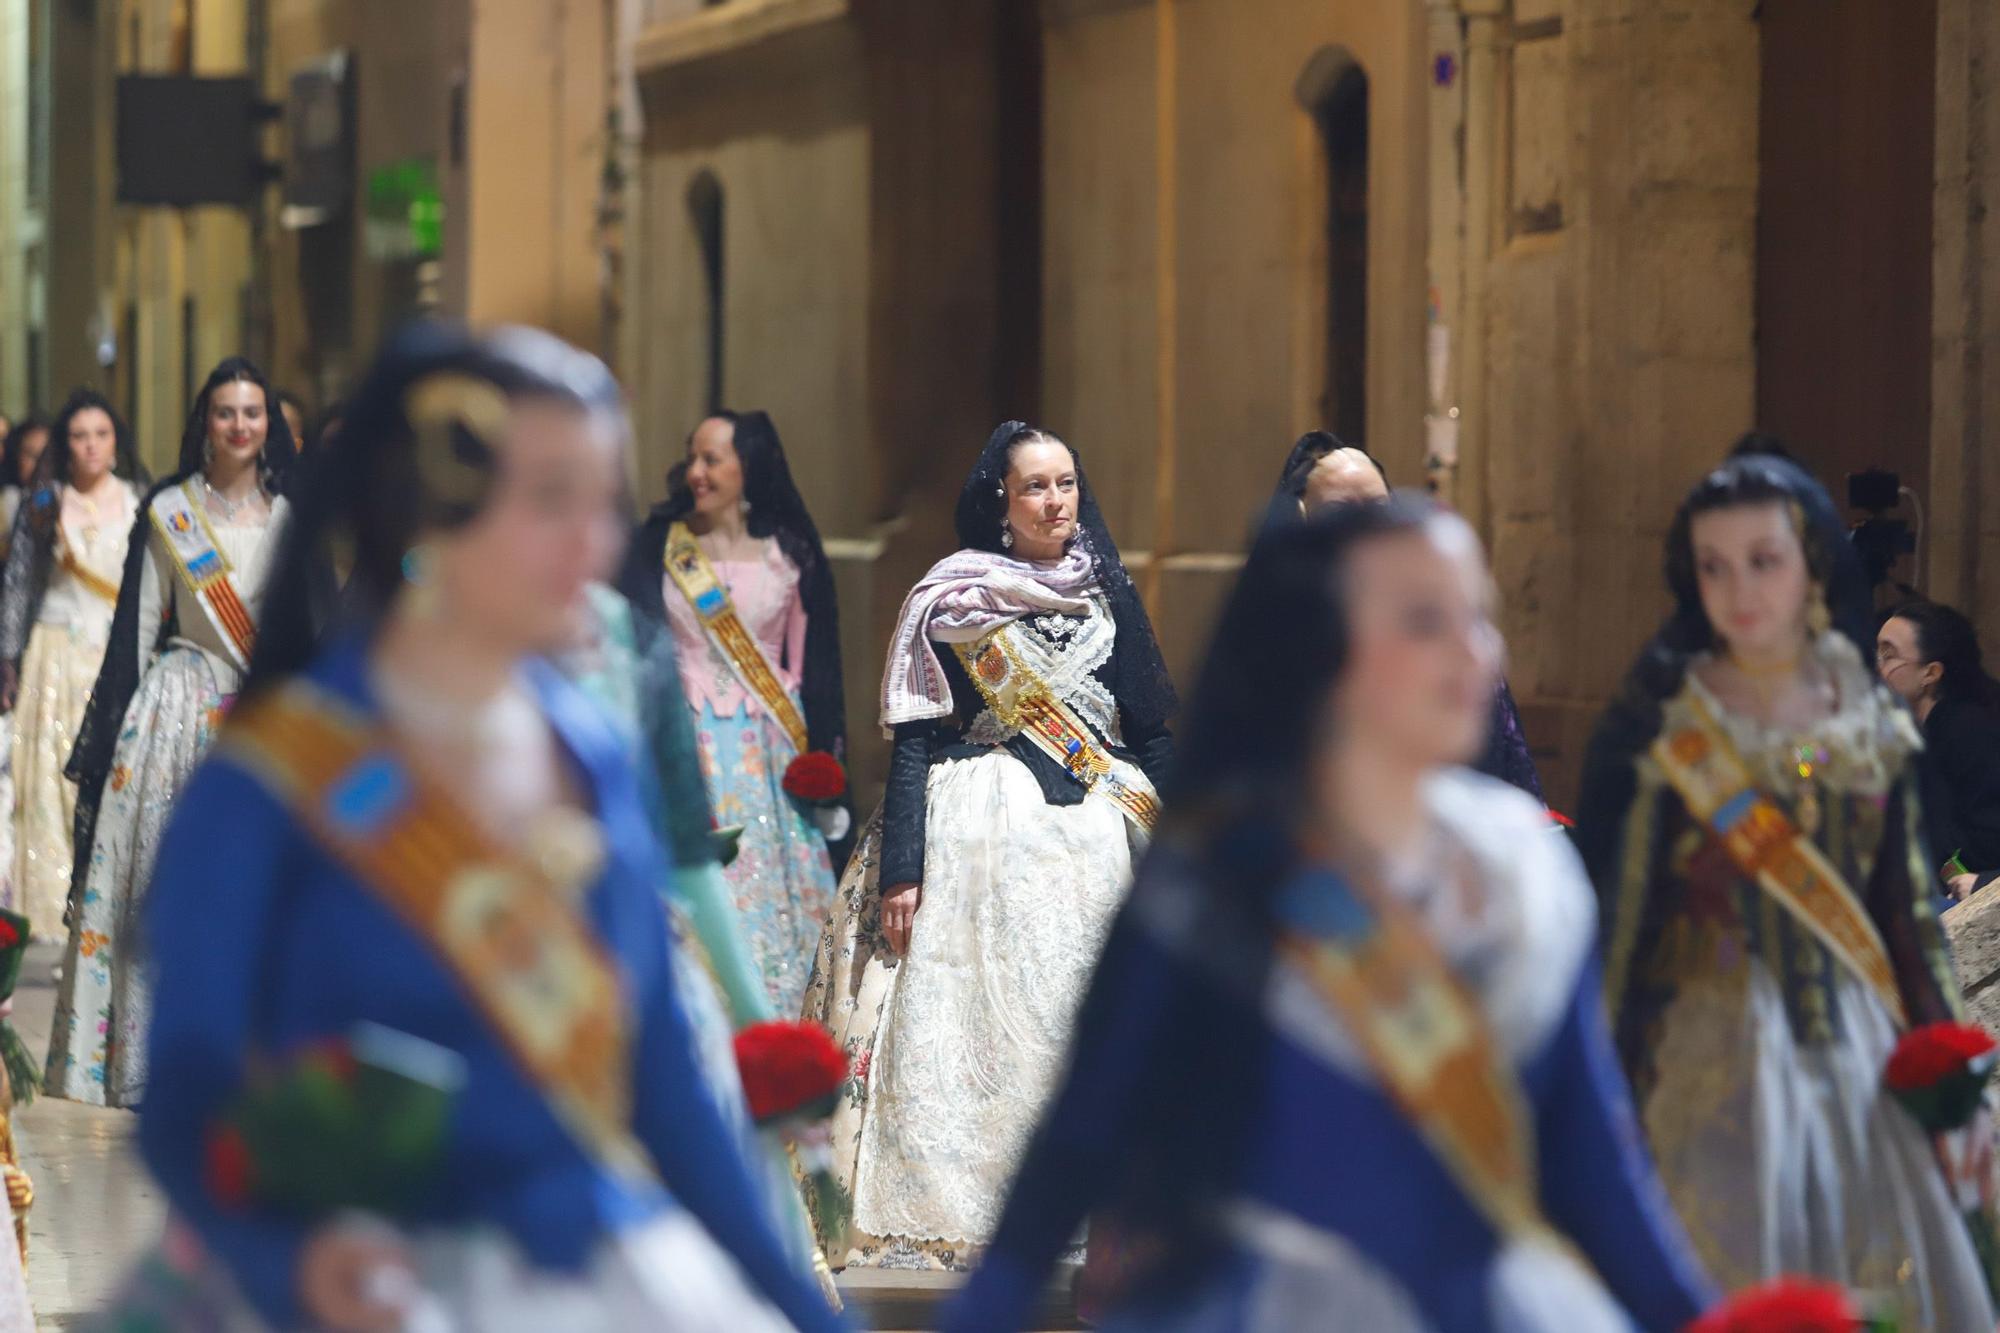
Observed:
{"x":1929,"y":655}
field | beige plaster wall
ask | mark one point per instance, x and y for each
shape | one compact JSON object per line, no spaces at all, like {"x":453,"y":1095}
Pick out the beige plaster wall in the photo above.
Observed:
{"x":1246,"y":281}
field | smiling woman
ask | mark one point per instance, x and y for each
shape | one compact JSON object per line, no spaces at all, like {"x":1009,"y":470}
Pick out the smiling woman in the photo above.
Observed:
{"x":188,"y":607}
{"x":1029,"y":707}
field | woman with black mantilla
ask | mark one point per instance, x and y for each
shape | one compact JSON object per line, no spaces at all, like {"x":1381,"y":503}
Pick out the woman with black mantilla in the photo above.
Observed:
{"x":759,"y":699}
{"x":1029,"y":707}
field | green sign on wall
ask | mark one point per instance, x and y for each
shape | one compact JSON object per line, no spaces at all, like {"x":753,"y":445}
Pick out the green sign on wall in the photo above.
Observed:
{"x":405,"y":211}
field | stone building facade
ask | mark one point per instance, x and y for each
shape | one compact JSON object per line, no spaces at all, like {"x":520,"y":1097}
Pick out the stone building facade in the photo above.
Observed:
{"x":1550,"y":256}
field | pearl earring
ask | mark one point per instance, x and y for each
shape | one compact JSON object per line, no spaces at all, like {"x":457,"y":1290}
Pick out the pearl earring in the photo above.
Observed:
{"x":1006,"y":535}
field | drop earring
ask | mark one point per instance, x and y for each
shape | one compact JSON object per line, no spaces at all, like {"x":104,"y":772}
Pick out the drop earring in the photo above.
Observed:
{"x":1006,"y":535}
{"x":420,"y":581}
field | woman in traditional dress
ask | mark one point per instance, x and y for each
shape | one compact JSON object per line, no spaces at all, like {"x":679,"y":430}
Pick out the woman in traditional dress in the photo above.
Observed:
{"x":424,"y":828}
{"x":26,"y":440}
{"x":56,"y":603}
{"x":1343,"y":1064}
{"x":733,"y":565}
{"x":1029,"y":706}
{"x":1321,"y":471}
{"x":185,"y":627}
{"x":1755,"y":1011}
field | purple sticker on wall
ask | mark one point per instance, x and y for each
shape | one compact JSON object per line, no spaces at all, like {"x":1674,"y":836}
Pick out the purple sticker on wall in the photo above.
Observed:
{"x":1444,"y":69}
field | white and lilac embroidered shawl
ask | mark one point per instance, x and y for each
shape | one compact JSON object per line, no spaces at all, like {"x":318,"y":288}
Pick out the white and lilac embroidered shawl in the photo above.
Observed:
{"x":965,"y":597}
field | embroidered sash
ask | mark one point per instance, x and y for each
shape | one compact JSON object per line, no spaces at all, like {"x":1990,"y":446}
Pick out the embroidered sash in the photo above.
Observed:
{"x":204,"y":569}
{"x":1023,"y":702}
{"x":506,"y":931}
{"x":688,"y":567}
{"x":1764,"y":843}
{"x":92,"y":581}
{"x":1424,"y":1036}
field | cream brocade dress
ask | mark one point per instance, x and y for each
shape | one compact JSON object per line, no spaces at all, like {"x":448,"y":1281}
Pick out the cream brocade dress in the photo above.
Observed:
{"x":97,"y":1052}
{"x":1757,"y":1060}
{"x":58,"y":670}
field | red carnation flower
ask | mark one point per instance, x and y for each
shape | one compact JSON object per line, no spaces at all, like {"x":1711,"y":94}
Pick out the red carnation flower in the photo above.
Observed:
{"x":1784,"y":1306}
{"x":1559,"y":819}
{"x":815,"y":777}
{"x":228,"y":1168}
{"x":790,"y":1070}
{"x":1927,"y":1056}
{"x":9,"y":936}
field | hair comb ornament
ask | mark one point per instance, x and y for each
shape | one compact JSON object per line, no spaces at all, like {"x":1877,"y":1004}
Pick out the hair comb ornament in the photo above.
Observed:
{"x":457,"y":420}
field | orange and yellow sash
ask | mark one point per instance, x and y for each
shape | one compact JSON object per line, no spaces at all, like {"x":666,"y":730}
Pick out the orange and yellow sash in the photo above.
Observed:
{"x":1023,"y":702}
{"x":92,"y":582}
{"x":688,"y":567}
{"x":1698,"y":760}
{"x":203,"y":568}
{"x":503,"y":926}
{"x":1423,"y":1035}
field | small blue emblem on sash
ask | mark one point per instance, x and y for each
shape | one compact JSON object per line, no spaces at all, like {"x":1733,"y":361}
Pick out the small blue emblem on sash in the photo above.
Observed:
{"x":1319,"y":903}
{"x":1732,"y":811}
{"x":711,"y":602}
{"x":367,"y":795}
{"x":205,"y":564}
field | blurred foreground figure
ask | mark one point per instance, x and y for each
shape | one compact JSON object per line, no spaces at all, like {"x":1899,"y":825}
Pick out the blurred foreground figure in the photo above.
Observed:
{"x":1750,"y":818}
{"x":1029,"y":705}
{"x":1343,"y":1065}
{"x":422,"y":829}
{"x":1322,"y":471}
{"x":188,"y":605}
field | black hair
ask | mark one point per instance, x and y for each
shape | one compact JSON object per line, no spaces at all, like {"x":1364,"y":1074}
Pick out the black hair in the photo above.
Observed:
{"x":418,"y":453}
{"x":1144,"y":690}
{"x":17,"y":439}
{"x":1306,"y":455}
{"x":1763,"y":442}
{"x":1235,"y":811}
{"x":778,"y":512}
{"x":54,"y":466}
{"x":280,"y":449}
{"x":1947,"y":637}
{"x":1633,"y":719}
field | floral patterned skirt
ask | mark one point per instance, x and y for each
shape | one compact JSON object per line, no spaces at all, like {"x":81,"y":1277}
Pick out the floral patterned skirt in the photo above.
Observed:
{"x":57,"y":674}
{"x":782,"y":878}
{"x":957,"y":1046}
{"x":97,"y":1053}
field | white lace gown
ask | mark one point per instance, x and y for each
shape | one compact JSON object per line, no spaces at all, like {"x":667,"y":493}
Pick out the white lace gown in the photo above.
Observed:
{"x":97,"y":1051}
{"x":958,"y":1045}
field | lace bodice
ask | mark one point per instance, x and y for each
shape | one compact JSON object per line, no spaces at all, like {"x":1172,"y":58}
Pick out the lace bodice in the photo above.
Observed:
{"x":250,"y":546}
{"x":1070,"y":654}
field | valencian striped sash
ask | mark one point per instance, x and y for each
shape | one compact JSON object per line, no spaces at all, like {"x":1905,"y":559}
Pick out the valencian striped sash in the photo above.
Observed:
{"x":203,"y":568}
{"x":687,"y":565}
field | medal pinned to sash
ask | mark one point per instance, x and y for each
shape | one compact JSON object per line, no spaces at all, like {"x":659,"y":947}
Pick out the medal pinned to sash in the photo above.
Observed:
{"x":1424,"y":1037}
{"x":1763,"y":842}
{"x":204,"y":570}
{"x":687,"y":565}
{"x":1023,"y":702}
{"x":506,"y":929}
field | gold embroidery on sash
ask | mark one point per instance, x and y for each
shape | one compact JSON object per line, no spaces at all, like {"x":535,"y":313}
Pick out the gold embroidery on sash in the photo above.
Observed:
{"x":1763,"y":842}
{"x":203,"y":568}
{"x":688,"y":566}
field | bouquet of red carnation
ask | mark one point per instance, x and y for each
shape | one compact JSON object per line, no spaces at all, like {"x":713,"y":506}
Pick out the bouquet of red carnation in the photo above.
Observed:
{"x":24,"y":1075}
{"x":792,"y":1076}
{"x":356,"y":1123}
{"x":817,"y":781}
{"x":1940,"y":1072}
{"x":1788,"y":1306}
